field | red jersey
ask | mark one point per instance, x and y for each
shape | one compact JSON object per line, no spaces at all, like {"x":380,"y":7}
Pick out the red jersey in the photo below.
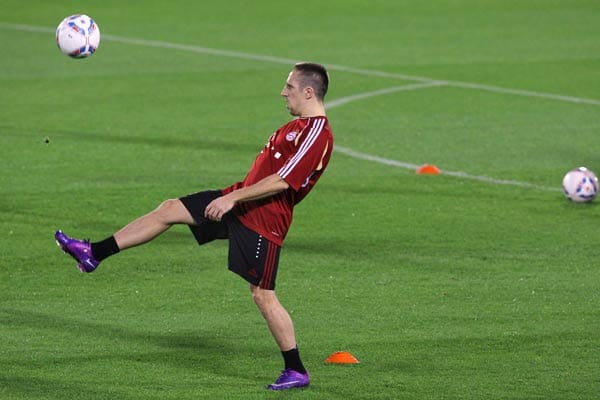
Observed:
{"x":298,"y":152}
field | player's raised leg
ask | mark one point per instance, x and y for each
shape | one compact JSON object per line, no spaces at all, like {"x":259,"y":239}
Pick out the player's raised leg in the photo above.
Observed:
{"x":142,"y":230}
{"x":149,"y":226}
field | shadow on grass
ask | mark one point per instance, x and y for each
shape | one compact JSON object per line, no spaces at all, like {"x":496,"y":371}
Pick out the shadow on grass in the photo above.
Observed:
{"x":30,"y":388}
{"x":120,"y":365}
{"x":196,"y":140}
{"x":89,"y":330}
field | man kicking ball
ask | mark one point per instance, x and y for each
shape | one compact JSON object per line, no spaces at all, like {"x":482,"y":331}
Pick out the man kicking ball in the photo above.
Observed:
{"x":254,"y":214}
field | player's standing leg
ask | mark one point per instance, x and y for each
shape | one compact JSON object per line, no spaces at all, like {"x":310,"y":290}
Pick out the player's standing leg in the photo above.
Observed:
{"x":282,"y":328}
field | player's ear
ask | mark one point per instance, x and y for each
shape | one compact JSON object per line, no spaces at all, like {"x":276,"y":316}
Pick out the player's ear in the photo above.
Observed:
{"x":309,"y":92}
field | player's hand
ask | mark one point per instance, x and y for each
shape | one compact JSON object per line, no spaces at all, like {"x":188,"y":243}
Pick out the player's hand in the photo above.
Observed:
{"x":218,"y":207}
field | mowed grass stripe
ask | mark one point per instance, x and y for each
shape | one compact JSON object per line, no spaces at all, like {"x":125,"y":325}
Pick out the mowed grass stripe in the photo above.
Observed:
{"x":332,"y":67}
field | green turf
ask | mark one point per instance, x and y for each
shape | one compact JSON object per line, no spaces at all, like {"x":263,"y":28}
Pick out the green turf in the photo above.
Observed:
{"x":443,"y":287}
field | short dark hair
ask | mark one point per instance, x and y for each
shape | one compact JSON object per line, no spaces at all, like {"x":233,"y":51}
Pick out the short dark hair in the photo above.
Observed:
{"x":313,"y":75}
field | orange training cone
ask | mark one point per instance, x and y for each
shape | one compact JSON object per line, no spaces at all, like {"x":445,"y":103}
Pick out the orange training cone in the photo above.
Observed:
{"x":428,"y":169}
{"x":341,"y":357}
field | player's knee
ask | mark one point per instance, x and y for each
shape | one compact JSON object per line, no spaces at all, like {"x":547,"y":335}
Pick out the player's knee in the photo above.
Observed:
{"x":256,"y":296}
{"x":263,"y":298}
{"x":168,"y":210}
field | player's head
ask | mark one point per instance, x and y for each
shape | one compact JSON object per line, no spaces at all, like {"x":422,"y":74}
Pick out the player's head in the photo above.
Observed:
{"x":305,"y":89}
{"x":315,"y":76}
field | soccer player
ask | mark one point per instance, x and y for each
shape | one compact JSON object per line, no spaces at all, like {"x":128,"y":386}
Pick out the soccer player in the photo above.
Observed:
{"x":254,"y":214}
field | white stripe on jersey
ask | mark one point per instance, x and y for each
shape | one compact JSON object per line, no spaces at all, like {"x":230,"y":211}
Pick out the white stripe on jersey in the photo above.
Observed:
{"x":312,"y":136}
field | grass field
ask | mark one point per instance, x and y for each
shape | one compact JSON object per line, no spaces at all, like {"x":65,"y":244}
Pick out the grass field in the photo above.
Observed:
{"x":480,"y":283}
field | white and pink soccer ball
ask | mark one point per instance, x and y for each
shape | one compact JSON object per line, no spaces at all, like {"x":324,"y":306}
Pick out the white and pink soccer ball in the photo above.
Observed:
{"x":78,"y":36}
{"x":580,"y":185}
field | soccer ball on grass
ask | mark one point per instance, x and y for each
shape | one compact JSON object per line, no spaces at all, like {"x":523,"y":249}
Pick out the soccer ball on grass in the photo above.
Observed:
{"x":78,"y":36}
{"x":580,"y":185}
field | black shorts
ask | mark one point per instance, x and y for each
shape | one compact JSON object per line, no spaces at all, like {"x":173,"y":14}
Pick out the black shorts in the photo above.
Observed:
{"x":251,"y":255}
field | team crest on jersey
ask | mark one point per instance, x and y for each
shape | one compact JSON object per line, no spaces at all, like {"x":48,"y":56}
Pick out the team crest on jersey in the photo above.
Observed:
{"x":291,"y":136}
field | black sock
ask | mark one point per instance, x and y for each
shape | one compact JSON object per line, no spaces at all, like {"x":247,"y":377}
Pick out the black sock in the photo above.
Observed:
{"x":105,"y":248}
{"x":292,"y":360}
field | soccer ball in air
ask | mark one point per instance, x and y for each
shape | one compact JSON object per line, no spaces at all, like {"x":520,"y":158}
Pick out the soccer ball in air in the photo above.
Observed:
{"x":580,"y":185}
{"x":78,"y":36}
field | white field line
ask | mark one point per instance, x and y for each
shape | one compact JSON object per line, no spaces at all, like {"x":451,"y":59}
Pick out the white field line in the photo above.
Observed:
{"x":333,"y":67}
{"x":361,"y":96}
{"x":458,"y":174}
{"x":401,"y":164}
{"x":424,"y":83}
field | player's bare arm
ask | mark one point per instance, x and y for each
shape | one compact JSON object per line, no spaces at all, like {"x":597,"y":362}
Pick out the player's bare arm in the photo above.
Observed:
{"x":269,"y":186}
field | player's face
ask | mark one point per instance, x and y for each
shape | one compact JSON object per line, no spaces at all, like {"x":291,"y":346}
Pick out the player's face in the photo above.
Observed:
{"x":293,"y":94}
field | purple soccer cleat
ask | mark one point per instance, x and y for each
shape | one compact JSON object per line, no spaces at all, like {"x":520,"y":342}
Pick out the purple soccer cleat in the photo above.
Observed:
{"x":80,"y":250}
{"x":290,"y":379}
